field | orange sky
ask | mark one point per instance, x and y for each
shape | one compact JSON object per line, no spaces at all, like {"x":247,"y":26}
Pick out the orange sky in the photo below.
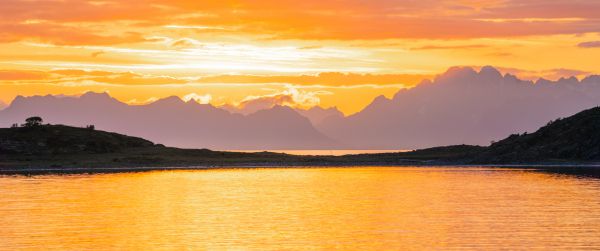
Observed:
{"x":329,"y":53}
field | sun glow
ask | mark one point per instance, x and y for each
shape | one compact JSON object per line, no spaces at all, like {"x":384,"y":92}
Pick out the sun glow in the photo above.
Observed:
{"x":257,"y":48}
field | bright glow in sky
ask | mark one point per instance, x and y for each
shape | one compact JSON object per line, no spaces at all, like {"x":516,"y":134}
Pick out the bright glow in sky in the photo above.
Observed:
{"x":338,"y":53}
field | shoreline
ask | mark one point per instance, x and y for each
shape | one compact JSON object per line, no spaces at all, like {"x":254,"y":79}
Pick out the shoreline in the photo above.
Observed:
{"x":106,"y":170}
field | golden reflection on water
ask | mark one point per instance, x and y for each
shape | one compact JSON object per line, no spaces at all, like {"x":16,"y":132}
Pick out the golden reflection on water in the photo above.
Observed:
{"x":321,"y":152}
{"x":321,"y":208}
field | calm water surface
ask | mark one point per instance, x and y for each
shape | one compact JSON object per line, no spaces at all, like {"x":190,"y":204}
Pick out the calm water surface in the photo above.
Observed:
{"x":321,"y":152}
{"x":300,"y":209}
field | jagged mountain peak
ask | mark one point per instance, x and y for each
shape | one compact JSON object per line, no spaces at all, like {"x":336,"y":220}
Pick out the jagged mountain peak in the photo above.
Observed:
{"x":173,"y":122}
{"x":462,"y":106}
{"x":456,"y":72}
{"x":490,"y":72}
{"x":95,"y":95}
{"x":169,"y":100}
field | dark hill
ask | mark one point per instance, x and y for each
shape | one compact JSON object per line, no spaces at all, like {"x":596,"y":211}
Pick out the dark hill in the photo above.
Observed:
{"x":59,"y":139}
{"x":174,"y":122}
{"x":576,"y":138}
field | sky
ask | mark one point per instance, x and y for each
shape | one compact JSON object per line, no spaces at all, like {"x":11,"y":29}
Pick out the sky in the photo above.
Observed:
{"x":339,"y":53}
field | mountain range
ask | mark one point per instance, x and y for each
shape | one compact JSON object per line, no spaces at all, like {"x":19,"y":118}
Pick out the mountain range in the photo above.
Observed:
{"x":35,"y":148}
{"x":460,"y":106}
{"x":174,"y":122}
{"x":315,"y":114}
{"x":463,"y":106}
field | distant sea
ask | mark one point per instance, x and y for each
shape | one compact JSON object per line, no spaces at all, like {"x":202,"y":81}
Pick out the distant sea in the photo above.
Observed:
{"x":320,"y":152}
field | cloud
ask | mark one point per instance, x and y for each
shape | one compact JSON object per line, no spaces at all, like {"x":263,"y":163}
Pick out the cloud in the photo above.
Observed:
{"x":590,"y":44}
{"x":551,"y":74}
{"x":22,"y":75}
{"x":81,"y":11}
{"x":78,"y":75}
{"x":62,"y":35}
{"x":65,"y":21}
{"x":311,"y":47}
{"x":197,"y":27}
{"x":291,"y":97}
{"x":564,"y":73}
{"x":324,"y":78}
{"x":133,"y":78}
{"x":202,"y":99}
{"x":501,"y":54}
{"x":450,"y":47}
{"x":542,"y":10}
{"x":97,"y":53}
{"x":351,"y":19}
{"x":143,"y":102}
{"x":130,"y":78}
{"x":185,"y":43}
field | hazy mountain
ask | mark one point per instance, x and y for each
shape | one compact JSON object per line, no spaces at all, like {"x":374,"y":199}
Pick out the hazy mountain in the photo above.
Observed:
{"x":2,"y":105}
{"x":462,"y":106}
{"x":173,"y":122}
{"x":315,"y":114}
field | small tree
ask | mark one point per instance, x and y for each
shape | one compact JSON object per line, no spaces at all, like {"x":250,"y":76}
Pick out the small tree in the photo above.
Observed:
{"x":33,"y":121}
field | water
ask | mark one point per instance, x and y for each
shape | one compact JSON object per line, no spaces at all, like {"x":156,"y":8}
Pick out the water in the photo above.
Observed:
{"x":321,"y":152}
{"x":302,"y":209}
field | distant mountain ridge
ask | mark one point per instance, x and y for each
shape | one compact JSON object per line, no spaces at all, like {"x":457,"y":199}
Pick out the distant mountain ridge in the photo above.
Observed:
{"x":33,"y":147}
{"x":2,"y":105}
{"x":315,"y":114}
{"x":462,"y":106}
{"x":174,"y":122}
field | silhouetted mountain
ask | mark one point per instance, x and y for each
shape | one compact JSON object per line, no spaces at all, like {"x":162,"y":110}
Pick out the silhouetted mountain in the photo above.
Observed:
{"x":574,"y":138}
{"x":462,"y":106}
{"x":317,"y":114}
{"x":174,"y":122}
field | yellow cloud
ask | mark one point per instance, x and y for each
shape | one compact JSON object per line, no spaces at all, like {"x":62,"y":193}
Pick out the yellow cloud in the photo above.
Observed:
{"x":202,"y":99}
